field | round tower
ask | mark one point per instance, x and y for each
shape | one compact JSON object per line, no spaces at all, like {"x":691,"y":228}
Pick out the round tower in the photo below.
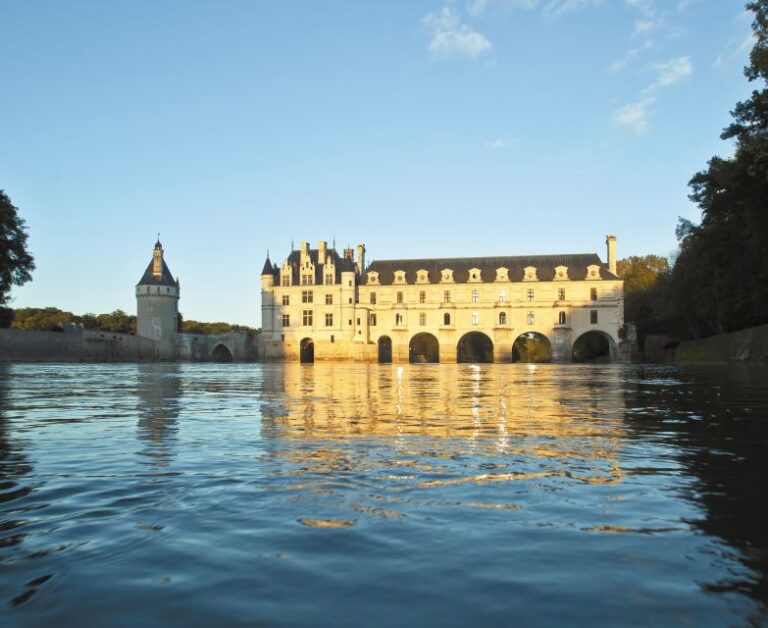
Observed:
{"x":157,"y":305}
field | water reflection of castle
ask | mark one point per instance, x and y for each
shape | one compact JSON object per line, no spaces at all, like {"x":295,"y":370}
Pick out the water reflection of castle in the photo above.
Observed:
{"x":541,"y":410}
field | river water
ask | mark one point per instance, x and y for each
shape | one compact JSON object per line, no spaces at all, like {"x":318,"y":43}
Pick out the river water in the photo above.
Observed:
{"x":346,"y":494}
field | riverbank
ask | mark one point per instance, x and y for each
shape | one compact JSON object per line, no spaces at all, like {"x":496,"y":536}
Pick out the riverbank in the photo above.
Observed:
{"x":747,"y":346}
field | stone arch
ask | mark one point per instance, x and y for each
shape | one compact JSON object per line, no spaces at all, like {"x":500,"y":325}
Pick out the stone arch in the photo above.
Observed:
{"x":594,"y":346}
{"x":222,"y":353}
{"x":307,"y":351}
{"x":532,"y":346}
{"x":424,"y":348}
{"x":385,"y":350}
{"x":474,"y":347}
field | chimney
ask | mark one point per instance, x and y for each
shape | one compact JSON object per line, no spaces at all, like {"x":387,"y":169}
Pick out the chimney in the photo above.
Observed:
{"x":304,"y":253}
{"x":610,"y":242}
{"x":349,"y":254}
{"x":360,"y":258}
{"x":322,"y":251}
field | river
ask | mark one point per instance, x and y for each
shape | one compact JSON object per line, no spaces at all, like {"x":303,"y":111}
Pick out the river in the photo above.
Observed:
{"x":348,"y":494}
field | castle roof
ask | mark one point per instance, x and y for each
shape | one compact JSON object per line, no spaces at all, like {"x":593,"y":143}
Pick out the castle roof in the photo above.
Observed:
{"x":545,"y":267}
{"x":165,"y":278}
{"x":340,"y":264}
{"x":268,"y":269}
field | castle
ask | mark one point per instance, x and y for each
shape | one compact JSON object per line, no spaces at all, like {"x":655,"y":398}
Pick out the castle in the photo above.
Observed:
{"x":320,"y":305}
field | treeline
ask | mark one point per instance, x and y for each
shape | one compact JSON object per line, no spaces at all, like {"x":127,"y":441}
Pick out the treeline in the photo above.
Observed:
{"x":719,"y":280}
{"x":54,"y":319}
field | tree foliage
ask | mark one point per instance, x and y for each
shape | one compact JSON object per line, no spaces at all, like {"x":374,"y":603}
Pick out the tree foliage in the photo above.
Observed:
{"x":645,"y":279}
{"x":54,"y":319}
{"x":720,"y":279}
{"x":16,"y":263}
{"x":197,"y":327}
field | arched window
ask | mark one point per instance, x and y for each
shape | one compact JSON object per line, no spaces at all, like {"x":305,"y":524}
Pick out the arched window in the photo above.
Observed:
{"x":446,"y":318}
{"x":502,"y":318}
{"x":561,"y":318}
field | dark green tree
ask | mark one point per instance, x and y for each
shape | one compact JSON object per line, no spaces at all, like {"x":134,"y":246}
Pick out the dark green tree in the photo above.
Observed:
{"x":16,"y":264}
{"x":720,"y":278}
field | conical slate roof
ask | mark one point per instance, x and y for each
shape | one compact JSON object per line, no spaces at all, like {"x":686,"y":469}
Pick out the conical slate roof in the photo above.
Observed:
{"x":165,"y":278}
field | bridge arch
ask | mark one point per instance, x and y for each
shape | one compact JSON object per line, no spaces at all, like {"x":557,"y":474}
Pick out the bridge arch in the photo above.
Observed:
{"x":307,"y":351}
{"x":474,"y":347}
{"x":594,"y":346}
{"x":424,"y":348}
{"x":532,"y":346}
{"x":385,"y":350}
{"x":222,"y":353}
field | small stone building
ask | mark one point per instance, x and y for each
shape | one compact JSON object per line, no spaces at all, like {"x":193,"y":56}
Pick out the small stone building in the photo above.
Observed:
{"x":320,"y":305}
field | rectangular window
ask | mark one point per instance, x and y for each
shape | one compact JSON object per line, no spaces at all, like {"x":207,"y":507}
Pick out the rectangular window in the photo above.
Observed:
{"x":329,"y":320}
{"x":422,"y":297}
{"x":307,"y":318}
{"x":529,"y":294}
{"x":531,"y":319}
{"x":329,"y":299}
{"x":398,"y":319}
{"x":593,"y":294}
{"x":593,"y":317}
{"x":286,"y":299}
{"x":475,"y":318}
{"x":502,"y":295}
{"x":373,"y":320}
{"x":285,"y":280}
{"x":373,"y":298}
{"x":475,"y":296}
{"x":399,"y":297}
{"x":307,"y":296}
{"x":328,"y":280}
{"x":286,"y":320}
{"x":306,"y":280}
{"x":446,"y":296}
{"x":422,"y":319}
{"x":561,"y":294}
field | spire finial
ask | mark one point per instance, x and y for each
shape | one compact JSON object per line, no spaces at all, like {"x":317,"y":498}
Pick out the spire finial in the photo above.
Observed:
{"x":291,"y":244}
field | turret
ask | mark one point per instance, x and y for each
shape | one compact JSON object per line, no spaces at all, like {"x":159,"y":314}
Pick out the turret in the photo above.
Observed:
{"x":360,"y":264}
{"x":157,"y":305}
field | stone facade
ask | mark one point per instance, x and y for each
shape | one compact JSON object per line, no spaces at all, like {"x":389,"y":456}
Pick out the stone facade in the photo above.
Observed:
{"x":320,"y":305}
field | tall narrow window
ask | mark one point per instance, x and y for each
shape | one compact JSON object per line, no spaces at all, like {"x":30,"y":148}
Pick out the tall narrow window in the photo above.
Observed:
{"x":475,"y":296}
{"x":502,"y":295}
{"x":561,"y":318}
{"x":422,"y":318}
{"x":307,"y":296}
{"x":285,"y":280}
{"x":329,"y":299}
{"x":529,"y":294}
{"x":286,"y":299}
{"x":593,"y":294}
{"x":398,"y":319}
{"x":373,"y":298}
{"x":286,"y":320}
{"x":422,"y":297}
{"x":593,"y":317}
{"x":530,"y":319}
{"x":329,"y":320}
{"x":475,"y":318}
{"x":446,"y":319}
{"x":306,"y":317}
{"x":446,"y":296}
{"x":502,"y":318}
{"x":328,"y":279}
{"x":399,"y":297}
{"x":373,"y":320}
{"x":561,"y":294}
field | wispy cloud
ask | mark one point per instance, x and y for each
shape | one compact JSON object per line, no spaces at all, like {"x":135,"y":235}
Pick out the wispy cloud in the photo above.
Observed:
{"x":738,"y":46}
{"x":495,"y":144}
{"x":453,"y":38}
{"x":670,"y":73}
{"x":635,"y":116}
{"x":631,"y":55}
{"x":549,"y":8}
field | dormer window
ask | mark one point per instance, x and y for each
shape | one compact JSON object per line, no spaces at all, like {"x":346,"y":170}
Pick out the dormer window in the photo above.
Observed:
{"x":593,"y":272}
{"x":474,"y":274}
{"x":561,"y":273}
{"x":373,"y":277}
{"x":399,"y":276}
{"x":446,"y":275}
{"x":529,"y":274}
{"x":502,"y":274}
{"x":422,"y":276}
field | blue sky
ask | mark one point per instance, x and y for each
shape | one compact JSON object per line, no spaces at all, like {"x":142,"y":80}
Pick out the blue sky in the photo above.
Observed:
{"x":422,"y":128}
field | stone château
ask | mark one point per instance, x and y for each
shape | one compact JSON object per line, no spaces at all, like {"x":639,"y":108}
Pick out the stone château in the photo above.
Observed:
{"x":320,"y":305}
